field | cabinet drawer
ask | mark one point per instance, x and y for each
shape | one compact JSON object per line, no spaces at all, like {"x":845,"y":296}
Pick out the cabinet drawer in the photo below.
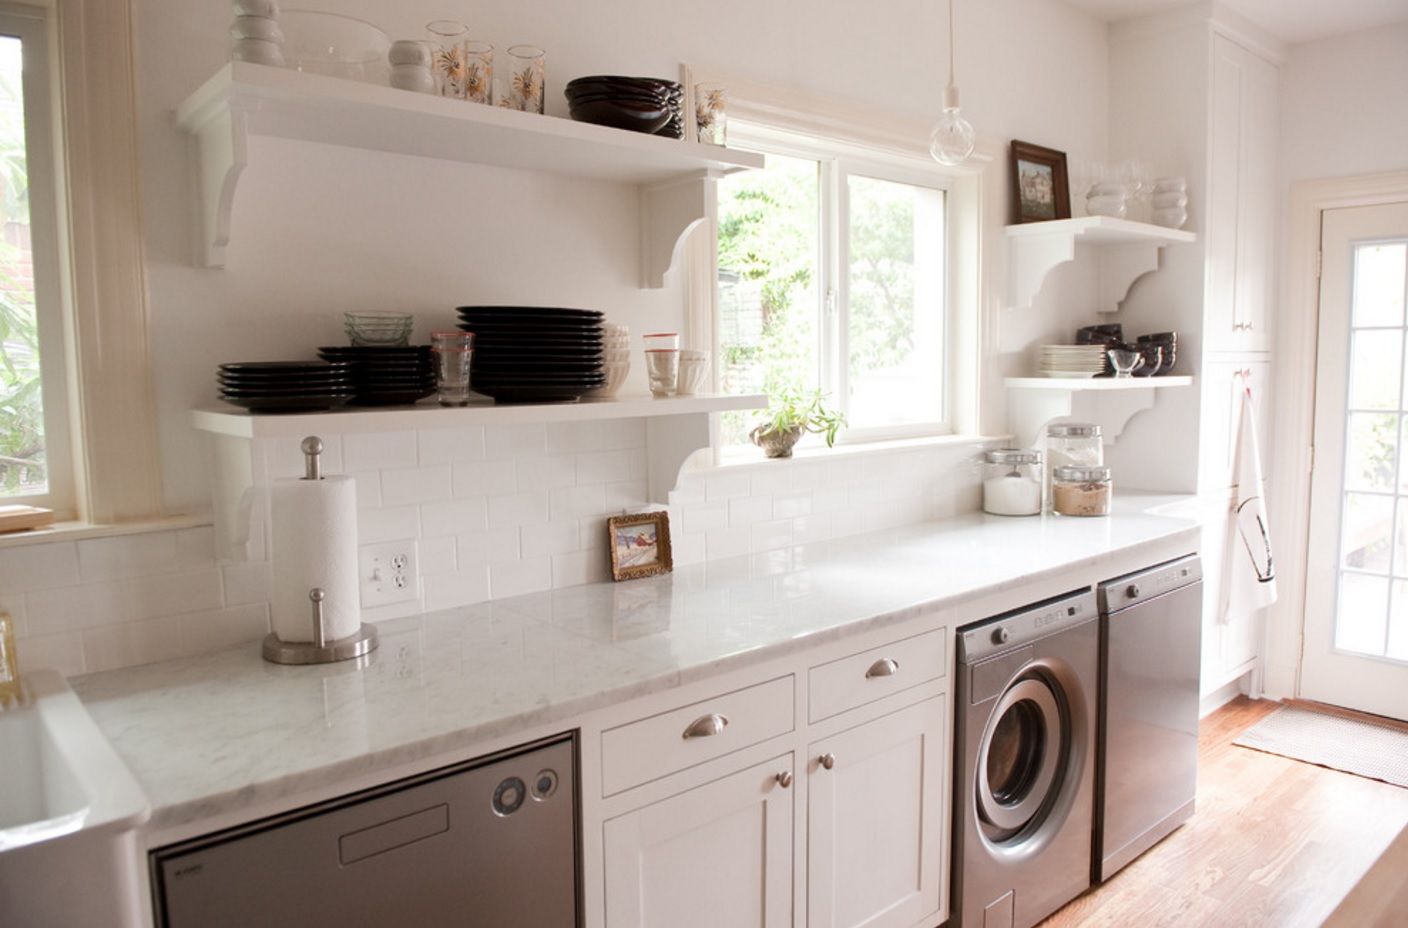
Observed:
{"x":638,"y":752}
{"x":861,"y":678}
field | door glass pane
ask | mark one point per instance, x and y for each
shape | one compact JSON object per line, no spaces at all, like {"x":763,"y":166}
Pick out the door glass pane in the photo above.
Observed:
{"x":1398,"y":622}
{"x":769,"y":277}
{"x":1372,"y":452}
{"x":1378,"y":284}
{"x":1367,"y":532}
{"x":896,"y":303}
{"x":1374,"y":370}
{"x":23,"y":469}
{"x":1363,"y":613}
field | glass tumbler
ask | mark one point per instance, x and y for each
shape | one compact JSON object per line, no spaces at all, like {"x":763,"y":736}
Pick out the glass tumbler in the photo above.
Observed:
{"x":662,"y":366}
{"x":710,"y":120}
{"x":453,"y":353}
{"x":463,"y":68}
{"x":525,"y":78}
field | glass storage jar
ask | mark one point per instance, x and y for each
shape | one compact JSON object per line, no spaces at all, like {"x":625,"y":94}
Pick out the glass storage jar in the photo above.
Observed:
{"x":1081,"y":491}
{"x":1012,"y":482}
{"x":1072,"y":444}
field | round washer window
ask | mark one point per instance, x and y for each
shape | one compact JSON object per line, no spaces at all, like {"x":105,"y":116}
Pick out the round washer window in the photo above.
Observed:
{"x":1022,"y":753}
{"x":1015,"y":751}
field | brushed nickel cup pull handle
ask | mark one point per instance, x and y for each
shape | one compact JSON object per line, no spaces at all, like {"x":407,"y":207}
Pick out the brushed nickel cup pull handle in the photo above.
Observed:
{"x":885,"y":667}
{"x":784,"y":779}
{"x":827,"y":760}
{"x":706,"y":726}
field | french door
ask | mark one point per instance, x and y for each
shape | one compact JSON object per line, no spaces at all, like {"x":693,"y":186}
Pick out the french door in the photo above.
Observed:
{"x":1355,"y":648}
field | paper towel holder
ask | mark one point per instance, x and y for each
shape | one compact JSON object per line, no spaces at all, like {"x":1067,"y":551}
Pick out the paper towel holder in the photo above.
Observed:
{"x":320,"y":650}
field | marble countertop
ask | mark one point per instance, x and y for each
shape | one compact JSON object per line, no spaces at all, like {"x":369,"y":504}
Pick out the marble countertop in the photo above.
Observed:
{"x":210,"y":735}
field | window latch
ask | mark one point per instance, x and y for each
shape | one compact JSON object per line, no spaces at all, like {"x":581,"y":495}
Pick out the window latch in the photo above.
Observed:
{"x":831,"y":301}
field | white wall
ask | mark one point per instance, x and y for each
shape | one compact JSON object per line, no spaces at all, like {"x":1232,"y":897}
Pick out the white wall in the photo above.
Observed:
{"x":1344,"y":105}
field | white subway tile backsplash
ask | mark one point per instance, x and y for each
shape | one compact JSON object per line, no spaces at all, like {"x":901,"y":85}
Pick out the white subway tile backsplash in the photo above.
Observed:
{"x":499,"y":546}
{"x":687,"y":549}
{"x":791,"y":505}
{"x":550,"y":538}
{"x":749,"y":509}
{"x":222,"y":628}
{"x":378,"y":450}
{"x":605,"y":466}
{"x":578,"y":567}
{"x":484,"y":478}
{"x":446,"y":591}
{"x":437,"y":555}
{"x":454,"y":517}
{"x":502,"y":442}
{"x":126,"y":555}
{"x":812,"y":528}
{"x":545,"y":473}
{"x":572,"y":437}
{"x":622,"y":433}
{"x":532,"y":575}
{"x":776,"y":478}
{"x":375,"y":525}
{"x":568,"y":503}
{"x":451,"y":446}
{"x":726,"y":542}
{"x":170,"y":594}
{"x":12,"y":604}
{"x":132,"y":643}
{"x":726,"y":486}
{"x":766,"y":536}
{"x":702,"y":517}
{"x":249,"y":582}
{"x":75,"y":607}
{"x":415,"y":485}
{"x":62,"y":652}
{"x":518,"y":509}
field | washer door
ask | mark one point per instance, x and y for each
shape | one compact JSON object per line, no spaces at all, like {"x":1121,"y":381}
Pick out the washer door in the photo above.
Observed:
{"x":1020,"y":759}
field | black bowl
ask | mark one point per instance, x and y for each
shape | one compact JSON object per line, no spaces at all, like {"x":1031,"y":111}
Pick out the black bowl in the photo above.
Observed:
{"x":617,"y":116}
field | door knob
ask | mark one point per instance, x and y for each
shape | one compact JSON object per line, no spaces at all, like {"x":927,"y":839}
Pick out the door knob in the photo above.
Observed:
{"x":827,"y":760}
{"x":784,"y":778}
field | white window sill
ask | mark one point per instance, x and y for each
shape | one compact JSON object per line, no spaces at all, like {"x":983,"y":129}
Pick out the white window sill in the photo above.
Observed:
{"x":78,"y":530}
{"x":741,"y":458}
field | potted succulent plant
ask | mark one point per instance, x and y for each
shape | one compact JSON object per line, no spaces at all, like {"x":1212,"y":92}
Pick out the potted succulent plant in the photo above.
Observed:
{"x":792,"y":413}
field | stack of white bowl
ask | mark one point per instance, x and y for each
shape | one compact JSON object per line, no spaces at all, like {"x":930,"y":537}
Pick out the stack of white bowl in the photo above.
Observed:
{"x":410,"y":66}
{"x":1072,"y":360}
{"x":615,"y":358}
{"x":1170,"y":202}
{"x":255,"y":35}
{"x":1107,"y":199}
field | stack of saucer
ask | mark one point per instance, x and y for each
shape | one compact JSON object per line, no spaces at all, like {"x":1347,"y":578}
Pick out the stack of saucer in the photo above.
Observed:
{"x":1072,"y":360}
{"x":255,"y":34}
{"x":615,"y":358}
{"x":1170,"y":202}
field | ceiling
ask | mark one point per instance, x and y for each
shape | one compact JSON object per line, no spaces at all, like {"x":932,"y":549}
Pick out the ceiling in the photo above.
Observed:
{"x":1288,"y":20}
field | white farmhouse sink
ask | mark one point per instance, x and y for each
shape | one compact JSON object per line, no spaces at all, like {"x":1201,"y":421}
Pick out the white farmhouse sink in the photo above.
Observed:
{"x":69,"y":808}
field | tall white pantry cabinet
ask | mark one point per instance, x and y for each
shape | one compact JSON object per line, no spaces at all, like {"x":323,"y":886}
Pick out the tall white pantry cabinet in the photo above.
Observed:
{"x":1195,"y":91}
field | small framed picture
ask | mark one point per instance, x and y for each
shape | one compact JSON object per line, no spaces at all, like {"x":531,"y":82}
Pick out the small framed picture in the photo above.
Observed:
{"x":1041,"y":190}
{"x":640,"y":545}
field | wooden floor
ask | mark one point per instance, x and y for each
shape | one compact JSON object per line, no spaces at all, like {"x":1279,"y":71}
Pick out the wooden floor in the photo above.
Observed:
{"x":1274,"y":842}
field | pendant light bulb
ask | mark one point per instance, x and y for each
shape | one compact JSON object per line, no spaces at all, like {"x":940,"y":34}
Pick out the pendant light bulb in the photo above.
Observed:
{"x":952,"y":140}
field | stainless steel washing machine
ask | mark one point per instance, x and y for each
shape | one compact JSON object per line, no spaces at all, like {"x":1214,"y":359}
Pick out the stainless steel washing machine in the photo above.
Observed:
{"x":1024,"y":755}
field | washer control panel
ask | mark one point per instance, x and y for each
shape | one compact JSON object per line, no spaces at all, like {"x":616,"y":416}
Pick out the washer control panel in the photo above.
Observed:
{"x":1014,"y":629}
{"x":1123,"y":592}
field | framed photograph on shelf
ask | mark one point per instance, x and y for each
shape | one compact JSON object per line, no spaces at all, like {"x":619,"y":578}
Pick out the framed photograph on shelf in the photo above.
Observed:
{"x":1041,"y":190}
{"x":640,"y":545}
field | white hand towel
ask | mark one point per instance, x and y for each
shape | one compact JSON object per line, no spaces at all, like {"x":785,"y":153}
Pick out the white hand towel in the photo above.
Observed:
{"x":1251,"y":572}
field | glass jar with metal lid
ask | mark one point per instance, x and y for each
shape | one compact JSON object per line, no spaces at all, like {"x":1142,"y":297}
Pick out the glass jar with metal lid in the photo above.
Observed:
{"x":1012,"y":482}
{"x":1081,"y":491}
{"x":1072,"y":444}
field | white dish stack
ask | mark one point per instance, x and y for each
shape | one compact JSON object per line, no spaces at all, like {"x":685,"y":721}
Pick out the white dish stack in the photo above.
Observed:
{"x":615,"y":359}
{"x":1072,"y":361}
{"x":255,"y":35}
{"x":410,"y":66}
{"x":1107,"y":199}
{"x":1170,"y":202}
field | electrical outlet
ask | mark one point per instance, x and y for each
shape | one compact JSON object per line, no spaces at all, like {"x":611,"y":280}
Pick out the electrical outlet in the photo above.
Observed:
{"x":388,"y":573}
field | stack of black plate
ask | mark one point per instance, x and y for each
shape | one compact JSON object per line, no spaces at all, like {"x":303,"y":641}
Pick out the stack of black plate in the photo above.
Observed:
{"x":640,"y":104}
{"x":285,"y":386}
{"x":386,"y":376}
{"x":534,"y":354}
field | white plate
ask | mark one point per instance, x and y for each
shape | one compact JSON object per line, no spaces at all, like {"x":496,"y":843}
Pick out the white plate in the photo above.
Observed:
{"x":1070,"y":375}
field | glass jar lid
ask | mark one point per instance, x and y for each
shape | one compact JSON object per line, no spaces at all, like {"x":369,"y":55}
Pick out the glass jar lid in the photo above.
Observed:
{"x":1073,"y":430}
{"x":1081,"y":474}
{"x":1013,"y":456}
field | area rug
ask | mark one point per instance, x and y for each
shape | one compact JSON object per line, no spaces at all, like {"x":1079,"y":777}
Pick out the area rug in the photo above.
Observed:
{"x":1362,"y":747}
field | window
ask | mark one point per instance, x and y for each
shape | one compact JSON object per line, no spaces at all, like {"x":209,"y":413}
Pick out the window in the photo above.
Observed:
{"x":35,"y":462}
{"x":832,"y":277}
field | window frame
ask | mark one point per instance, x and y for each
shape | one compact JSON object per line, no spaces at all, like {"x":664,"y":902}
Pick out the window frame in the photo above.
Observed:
{"x":31,"y":26}
{"x":838,"y":161}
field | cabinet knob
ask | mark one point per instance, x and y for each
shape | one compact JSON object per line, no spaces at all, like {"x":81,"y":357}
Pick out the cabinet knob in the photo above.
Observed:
{"x":885,"y":667}
{"x":784,"y":779}
{"x":827,"y":760}
{"x":706,"y":726}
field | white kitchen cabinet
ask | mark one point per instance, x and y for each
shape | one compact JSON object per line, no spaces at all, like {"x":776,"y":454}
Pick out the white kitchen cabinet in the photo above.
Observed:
{"x":1223,"y":380}
{"x":1241,"y":216}
{"x":875,"y":821}
{"x":718,"y":854}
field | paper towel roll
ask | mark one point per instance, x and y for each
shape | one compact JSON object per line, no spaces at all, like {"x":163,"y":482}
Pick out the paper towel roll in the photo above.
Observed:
{"x":315,"y":545}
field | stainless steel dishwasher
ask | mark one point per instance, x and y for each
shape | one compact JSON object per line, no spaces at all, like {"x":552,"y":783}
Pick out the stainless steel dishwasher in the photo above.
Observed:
{"x":1150,"y":662}
{"x":491,"y":842}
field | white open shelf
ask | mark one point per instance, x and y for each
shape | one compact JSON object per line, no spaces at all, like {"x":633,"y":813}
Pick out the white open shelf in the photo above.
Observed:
{"x":1108,"y":401}
{"x":244,"y":99}
{"x":1125,"y":251}
{"x":229,"y":420}
{"x":1095,"y":384}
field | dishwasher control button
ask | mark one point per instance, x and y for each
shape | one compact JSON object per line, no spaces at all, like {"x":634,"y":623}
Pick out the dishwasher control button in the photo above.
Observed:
{"x":508,"y":796}
{"x":544,"y":784}
{"x":1133,"y":590}
{"x":1000,"y":635}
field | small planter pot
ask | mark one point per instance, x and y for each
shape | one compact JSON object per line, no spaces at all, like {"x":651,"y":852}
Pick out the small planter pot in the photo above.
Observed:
{"x":776,"y":444}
